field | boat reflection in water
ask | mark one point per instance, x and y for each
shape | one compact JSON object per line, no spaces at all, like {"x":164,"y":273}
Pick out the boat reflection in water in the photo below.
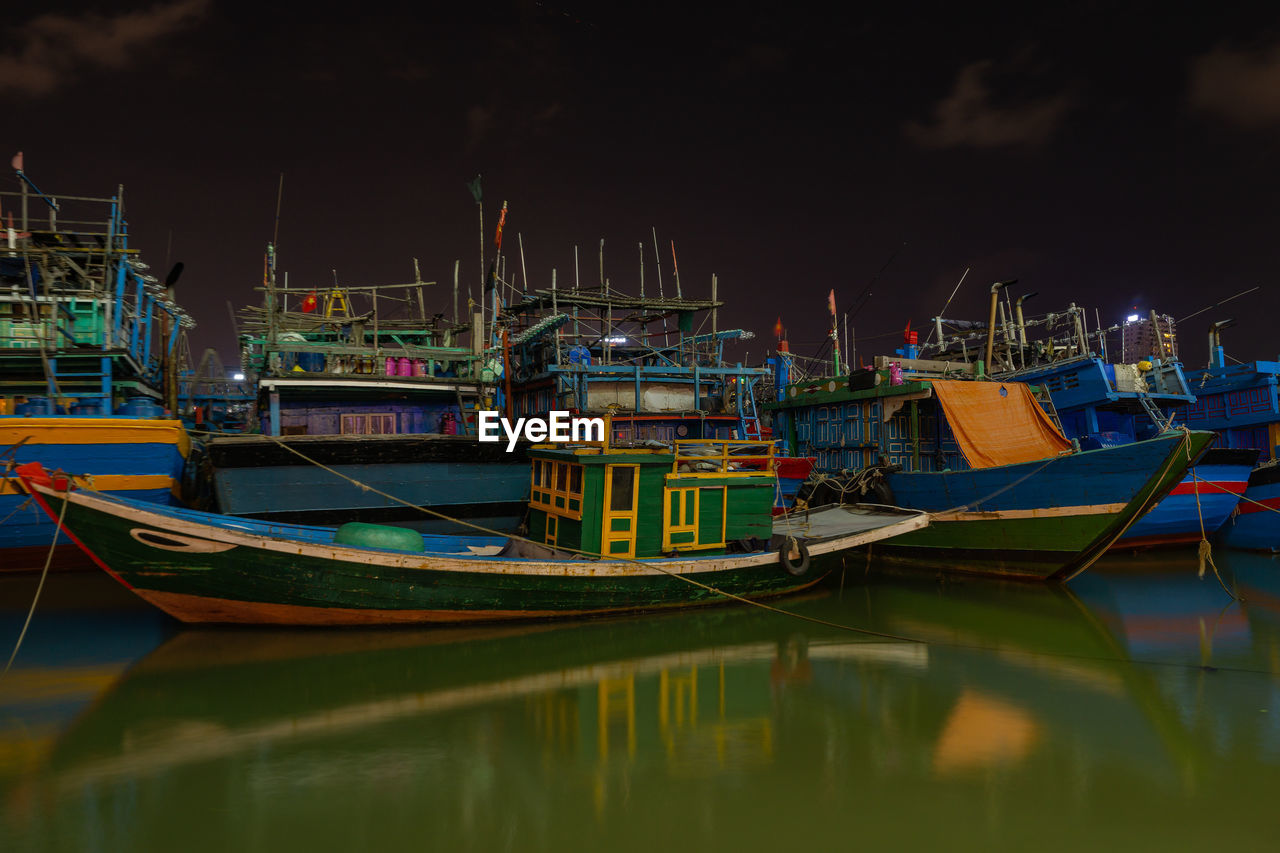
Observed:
{"x":1136,"y":705}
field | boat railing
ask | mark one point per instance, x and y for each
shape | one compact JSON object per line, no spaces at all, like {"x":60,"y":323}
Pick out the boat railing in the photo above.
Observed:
{"x":722,"y":457}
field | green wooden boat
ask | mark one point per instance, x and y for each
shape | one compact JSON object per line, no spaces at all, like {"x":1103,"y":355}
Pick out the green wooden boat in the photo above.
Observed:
{"x":611,"y":530}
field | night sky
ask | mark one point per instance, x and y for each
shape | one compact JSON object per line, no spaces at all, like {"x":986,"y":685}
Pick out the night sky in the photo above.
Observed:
{"x":1110,"y":158}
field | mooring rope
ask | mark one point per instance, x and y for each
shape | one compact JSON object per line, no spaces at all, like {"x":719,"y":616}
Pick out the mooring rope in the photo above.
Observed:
{"x":1242,"y":497}
{"x":66,"y":499}
{"x":1204,"y":551}
{"x":17,"y":510}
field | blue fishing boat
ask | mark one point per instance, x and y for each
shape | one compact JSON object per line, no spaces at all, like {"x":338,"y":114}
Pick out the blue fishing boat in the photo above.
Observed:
{"x":1098,"y":403}
{"x":1239,"y":402}
{"x":364,"y":381}
{"x":1009,"y":495}
{"x":1101,"y":405}
{"x":87,"y":343}
{"x":642,"y":361}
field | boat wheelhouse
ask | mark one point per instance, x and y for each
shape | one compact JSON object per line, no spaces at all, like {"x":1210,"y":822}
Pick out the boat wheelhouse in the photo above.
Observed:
{"x":700,"y":495}
{"x":655,"y":365}
{"x":88,"y":344}
{"x":365,"y":381}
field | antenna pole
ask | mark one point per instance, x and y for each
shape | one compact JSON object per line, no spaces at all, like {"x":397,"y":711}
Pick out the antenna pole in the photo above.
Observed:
{"x":275,"y":234}
{"x":675,"y":266}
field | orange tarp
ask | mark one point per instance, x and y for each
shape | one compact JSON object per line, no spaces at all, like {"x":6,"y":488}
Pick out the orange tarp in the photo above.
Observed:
{"x":998,"y":423}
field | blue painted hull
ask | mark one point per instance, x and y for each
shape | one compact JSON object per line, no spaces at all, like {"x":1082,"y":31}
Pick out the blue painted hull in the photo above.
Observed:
{"x":490,"y":494}
{"x":1045,"y":519}
{"x":147,"y":470}
{"x":1178,"y":518}
{"x":1257,"y":526}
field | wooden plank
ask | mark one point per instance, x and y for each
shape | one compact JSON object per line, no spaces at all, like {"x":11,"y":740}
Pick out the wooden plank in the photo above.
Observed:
{"x":925,"y":365}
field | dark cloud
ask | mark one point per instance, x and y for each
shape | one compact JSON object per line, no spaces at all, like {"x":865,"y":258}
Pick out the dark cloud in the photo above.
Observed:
{"x":1242,"y":86}
{"x":54,"y":49}
{"x":970,"y":117}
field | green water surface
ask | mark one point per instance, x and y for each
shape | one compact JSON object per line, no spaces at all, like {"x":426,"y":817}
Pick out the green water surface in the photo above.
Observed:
{"x":1135,"y":709}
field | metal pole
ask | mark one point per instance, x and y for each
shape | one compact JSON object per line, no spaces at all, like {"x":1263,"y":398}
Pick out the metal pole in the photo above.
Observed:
{"x":713,"y":309}
{"x":524,"y":271}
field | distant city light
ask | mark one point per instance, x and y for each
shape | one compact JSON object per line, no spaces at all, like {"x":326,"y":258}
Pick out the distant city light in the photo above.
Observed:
{"x":616,"y":339}
{"x":1132,"y":318}
{"x":239,"y":377}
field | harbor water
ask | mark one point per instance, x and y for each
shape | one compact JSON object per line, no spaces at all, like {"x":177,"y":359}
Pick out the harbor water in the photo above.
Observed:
{"x":1134,"y":709}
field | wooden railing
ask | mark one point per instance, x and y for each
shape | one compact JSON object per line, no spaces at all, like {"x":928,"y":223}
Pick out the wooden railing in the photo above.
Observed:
{"x":716,"y":456}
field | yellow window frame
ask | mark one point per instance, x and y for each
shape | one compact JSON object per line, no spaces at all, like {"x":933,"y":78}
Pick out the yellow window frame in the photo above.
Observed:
{"x":608,"y":514}
{"x":684,"y":526}
{"x":544,"y":489}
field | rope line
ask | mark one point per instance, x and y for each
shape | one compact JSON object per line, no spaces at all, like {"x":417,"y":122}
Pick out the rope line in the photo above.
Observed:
{"x":48,"y":560}
{"x":1242,"y":497}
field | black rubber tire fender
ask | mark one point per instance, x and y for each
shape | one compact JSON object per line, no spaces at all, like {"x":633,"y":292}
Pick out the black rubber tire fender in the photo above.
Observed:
{"x":880,"y":493}
{"x":798,"y":567}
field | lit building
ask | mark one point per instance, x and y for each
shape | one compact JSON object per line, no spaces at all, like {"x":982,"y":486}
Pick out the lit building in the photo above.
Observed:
{"x":1139,"y":339}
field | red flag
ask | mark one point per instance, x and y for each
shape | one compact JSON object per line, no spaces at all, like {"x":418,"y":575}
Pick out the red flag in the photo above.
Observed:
{"x":831,"y":301}
{"x":309,"y":303}
{"x":906,"y":335}
{"x":502,"y":220}
{"x":777,"y":328}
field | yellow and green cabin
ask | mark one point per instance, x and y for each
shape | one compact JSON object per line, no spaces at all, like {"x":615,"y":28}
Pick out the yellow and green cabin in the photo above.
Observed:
{"x":650,"y":502}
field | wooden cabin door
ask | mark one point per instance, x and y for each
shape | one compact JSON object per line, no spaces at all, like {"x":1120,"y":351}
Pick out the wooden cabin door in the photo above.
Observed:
{"x":618,"y":529}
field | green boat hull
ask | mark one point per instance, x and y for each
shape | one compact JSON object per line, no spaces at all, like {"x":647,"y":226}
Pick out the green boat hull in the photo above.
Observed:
{"x":203,"y":573}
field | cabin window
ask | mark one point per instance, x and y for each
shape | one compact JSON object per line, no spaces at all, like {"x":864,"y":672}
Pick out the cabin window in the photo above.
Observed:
{"x":622,"y":490}
{"x":556,"y":487}
{"x":369,"y":424}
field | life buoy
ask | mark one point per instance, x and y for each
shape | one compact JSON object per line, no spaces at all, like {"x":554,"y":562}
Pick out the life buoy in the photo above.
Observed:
{"x":796,"y":568}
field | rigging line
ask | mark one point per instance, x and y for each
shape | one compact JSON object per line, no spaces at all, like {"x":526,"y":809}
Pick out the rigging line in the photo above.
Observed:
{"x":44,"y":573}
{"x":861,"y":300}
{"x":17,"y":510}
{"x":943,"y":312}
{"x":1219,"y":304}
{"x":1242,"y":497}
{"x":866,"y":294}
